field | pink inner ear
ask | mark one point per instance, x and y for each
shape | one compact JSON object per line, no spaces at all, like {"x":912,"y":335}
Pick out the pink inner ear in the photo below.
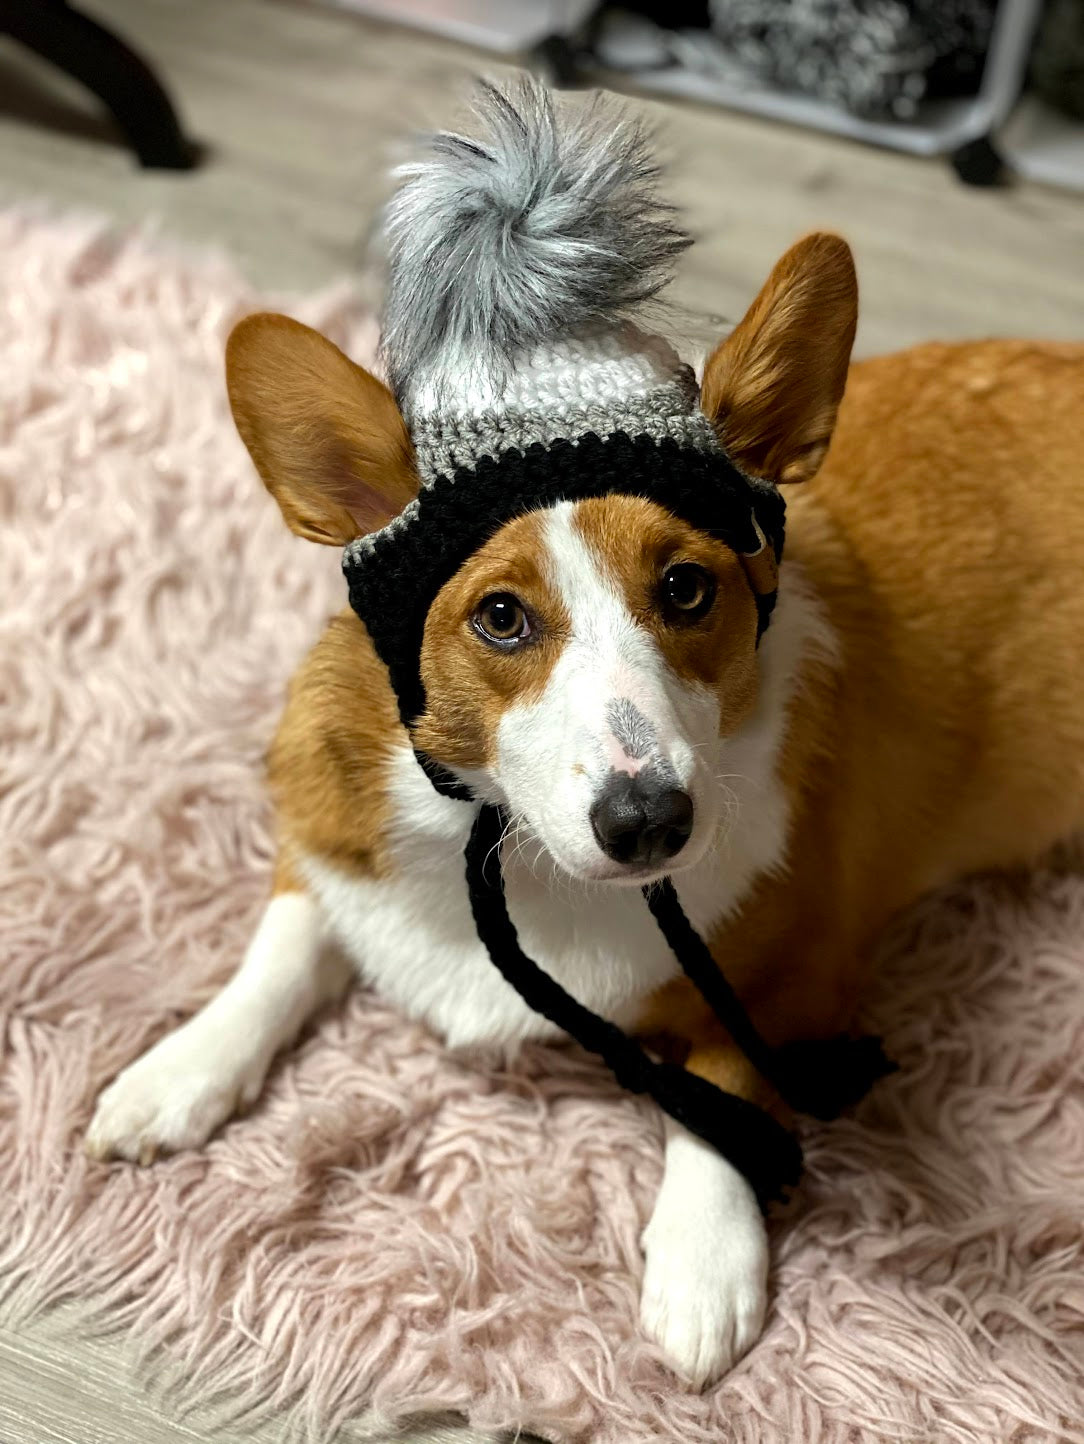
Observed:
{"x":370,"y":508}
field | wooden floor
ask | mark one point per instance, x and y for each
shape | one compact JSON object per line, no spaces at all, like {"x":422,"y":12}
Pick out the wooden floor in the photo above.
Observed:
{"x":58,"y":1386}
{"x":301,"y":110}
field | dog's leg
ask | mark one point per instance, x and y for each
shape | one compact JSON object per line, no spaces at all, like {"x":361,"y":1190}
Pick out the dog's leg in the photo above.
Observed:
{"x":705,"y":1249}
{"x":178,"y":1093}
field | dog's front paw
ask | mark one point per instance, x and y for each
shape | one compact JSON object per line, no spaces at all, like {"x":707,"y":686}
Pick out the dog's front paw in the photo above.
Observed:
{"x":706,"y":1268}
{"x":173,"y":1097}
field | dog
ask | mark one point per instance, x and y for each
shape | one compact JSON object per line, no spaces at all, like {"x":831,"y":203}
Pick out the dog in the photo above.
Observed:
{"x":913,"y":712}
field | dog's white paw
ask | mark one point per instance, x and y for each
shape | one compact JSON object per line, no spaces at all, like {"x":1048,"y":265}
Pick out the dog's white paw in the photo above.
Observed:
{"x":706,"y":1264}
{"x":173,"y":1097}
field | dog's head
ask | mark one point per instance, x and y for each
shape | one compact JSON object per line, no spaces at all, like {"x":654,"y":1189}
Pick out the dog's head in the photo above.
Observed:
{"x":588,"y":663}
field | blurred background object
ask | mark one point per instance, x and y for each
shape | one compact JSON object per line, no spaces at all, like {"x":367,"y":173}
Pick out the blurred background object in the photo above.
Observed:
{"x":301,"y":107}
{"x":931,"y":77}
{"x":1057,"y":64}
{"x":98,"y":58}
{"x":872,"y":59}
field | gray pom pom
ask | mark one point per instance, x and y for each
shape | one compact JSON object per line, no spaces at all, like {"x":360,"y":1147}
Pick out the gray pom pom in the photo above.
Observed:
{"x":547,"y":223}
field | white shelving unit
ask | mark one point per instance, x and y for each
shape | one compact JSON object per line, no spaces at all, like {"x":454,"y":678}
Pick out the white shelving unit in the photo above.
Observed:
{"x":939,"y":127}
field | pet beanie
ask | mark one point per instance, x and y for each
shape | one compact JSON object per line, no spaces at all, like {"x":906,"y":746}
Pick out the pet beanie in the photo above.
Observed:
{"x":519,"y":264}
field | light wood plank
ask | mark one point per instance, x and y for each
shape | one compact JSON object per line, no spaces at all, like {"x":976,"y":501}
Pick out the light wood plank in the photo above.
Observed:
{"x":59,"y":1385}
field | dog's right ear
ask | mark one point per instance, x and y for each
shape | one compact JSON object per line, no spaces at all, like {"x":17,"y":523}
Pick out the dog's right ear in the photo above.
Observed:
{"x":326,"y":436}
{"x":773,"y":387}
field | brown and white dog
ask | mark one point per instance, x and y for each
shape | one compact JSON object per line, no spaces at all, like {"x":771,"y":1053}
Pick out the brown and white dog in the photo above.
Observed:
{"x":915,"y":712}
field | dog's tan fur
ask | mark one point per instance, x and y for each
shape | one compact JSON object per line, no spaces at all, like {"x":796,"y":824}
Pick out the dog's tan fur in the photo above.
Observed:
{"x":943,"y":536}
{"x":330,"y":756}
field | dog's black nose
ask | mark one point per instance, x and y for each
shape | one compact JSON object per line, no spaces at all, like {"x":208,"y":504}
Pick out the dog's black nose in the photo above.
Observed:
{"x":636,"y":820}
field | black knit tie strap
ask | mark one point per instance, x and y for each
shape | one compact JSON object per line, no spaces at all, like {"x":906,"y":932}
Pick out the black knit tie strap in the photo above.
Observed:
{"x":820,"y":1077}
{"x":761,"y":1149}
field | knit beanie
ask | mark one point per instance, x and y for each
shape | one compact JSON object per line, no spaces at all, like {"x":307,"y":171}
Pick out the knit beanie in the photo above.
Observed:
{"x":519,"y":264}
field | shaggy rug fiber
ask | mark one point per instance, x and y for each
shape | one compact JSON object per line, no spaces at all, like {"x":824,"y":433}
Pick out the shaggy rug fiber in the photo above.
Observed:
{"x":393,"y":1230}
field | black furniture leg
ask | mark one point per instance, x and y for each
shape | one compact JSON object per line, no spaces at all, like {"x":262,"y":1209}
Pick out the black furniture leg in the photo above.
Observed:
{"x":103,"y":63}
{"x":978,"y":163}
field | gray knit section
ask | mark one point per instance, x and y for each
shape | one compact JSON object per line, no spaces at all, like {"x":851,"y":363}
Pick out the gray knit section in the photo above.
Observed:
{"x":444,"y":443}
{"x":361,"y":546}
{"x":694,"y":431}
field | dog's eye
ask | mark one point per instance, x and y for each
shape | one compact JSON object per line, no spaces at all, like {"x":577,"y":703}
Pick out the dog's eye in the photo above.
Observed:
{"x":501,"y":618}
{"x":687,"y":592}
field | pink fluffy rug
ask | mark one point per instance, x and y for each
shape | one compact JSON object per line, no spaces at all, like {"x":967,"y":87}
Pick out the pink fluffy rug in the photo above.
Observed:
{"x":394,"y":1231}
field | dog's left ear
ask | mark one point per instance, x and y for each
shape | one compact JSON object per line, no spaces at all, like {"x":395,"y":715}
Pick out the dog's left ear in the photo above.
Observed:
{"x":326,"y":436}
{"x":773,"y":387}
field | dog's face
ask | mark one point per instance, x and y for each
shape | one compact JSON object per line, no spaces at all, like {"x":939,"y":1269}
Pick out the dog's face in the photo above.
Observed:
{"x":588,"y":664}
{"x":590,"y":661}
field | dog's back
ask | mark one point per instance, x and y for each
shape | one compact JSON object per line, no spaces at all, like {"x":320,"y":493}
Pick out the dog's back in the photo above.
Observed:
{"x":945,"y":534}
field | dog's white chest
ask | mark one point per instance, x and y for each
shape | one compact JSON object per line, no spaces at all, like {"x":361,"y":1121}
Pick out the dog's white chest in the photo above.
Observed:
{"x":412,"y":937}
